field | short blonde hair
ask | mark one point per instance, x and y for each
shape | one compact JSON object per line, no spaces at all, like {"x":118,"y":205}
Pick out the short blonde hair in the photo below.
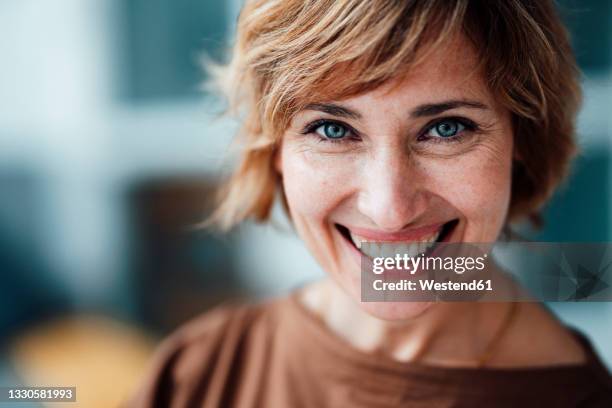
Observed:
{"x":289,"y":53}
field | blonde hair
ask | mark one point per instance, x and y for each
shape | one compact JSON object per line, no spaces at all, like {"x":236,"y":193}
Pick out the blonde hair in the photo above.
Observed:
{"x":289,"y":53}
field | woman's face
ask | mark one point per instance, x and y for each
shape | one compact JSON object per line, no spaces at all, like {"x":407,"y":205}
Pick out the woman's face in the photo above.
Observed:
{"x":425,"y":159}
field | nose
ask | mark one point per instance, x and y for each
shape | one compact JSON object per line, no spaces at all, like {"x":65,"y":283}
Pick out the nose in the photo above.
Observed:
{"x":391,"y":192}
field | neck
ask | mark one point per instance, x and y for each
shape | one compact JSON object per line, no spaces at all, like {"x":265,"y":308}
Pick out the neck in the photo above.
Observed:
{"x":447,"y":334}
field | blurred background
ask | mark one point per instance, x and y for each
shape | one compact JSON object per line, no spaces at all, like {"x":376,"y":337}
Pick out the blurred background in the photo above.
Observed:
{"x":109,"y":151}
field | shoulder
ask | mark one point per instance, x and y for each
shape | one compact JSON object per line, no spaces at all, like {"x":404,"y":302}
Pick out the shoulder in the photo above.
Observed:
{"x":203,"y":353}
{"x":538,"y":338}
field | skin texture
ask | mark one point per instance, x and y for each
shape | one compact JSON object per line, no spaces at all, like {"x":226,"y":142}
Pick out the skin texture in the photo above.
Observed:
{"x":384,"y":178}
{"x":388,"y":181}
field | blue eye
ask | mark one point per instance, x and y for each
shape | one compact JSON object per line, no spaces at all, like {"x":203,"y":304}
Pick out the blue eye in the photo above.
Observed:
{"x":445,"y":129}
{"x":332,"y":130}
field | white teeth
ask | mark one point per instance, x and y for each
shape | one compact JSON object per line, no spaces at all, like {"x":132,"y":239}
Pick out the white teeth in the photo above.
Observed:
{"x":423,"y":247}
{"x":387,"y":250}
{"x":390,"y":249}
{"x":410,"y":250}
{"x":356,"y":240}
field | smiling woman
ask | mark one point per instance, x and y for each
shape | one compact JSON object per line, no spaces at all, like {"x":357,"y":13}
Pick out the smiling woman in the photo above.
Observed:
{"x":408,"y":124}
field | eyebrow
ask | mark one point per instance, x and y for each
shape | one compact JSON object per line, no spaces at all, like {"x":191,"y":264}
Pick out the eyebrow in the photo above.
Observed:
{"x":429,"y":109}
{"x":432,"y":109}
{"x":334,"y":109}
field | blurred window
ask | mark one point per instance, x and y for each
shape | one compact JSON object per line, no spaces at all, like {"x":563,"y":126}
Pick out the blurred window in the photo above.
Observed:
{"x":162,"y":41}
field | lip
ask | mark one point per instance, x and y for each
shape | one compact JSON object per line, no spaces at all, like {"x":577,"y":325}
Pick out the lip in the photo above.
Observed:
{"x":448,"y":230}
{"x":412,"y":234}
{"x":365,"y":263}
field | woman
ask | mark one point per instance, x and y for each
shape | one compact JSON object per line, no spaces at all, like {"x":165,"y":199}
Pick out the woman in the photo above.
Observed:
{"x":395,"y":122}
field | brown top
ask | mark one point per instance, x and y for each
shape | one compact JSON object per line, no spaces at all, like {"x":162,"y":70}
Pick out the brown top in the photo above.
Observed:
{"x":278,"y":354}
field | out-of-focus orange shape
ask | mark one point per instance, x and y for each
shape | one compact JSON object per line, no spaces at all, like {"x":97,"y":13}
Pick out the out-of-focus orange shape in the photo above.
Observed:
{"x":102,"y":358}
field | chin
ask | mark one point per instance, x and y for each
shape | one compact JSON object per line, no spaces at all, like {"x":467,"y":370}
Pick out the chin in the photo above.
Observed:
{"x":396,"y":311}
{"x":388,"y":311}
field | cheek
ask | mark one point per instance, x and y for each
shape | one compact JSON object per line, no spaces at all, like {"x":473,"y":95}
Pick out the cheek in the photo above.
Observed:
{"x":478,"y":186}
{"x":313,"y":184}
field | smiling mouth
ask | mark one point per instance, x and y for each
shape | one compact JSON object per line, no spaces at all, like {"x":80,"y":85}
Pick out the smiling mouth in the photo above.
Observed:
{"x":374,"y":249}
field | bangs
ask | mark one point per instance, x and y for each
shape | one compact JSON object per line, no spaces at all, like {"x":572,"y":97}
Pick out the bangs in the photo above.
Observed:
{"x":334,"y":50}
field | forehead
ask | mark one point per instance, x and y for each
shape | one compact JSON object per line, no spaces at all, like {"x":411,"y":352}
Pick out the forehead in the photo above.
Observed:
{"x":449,"y":70}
